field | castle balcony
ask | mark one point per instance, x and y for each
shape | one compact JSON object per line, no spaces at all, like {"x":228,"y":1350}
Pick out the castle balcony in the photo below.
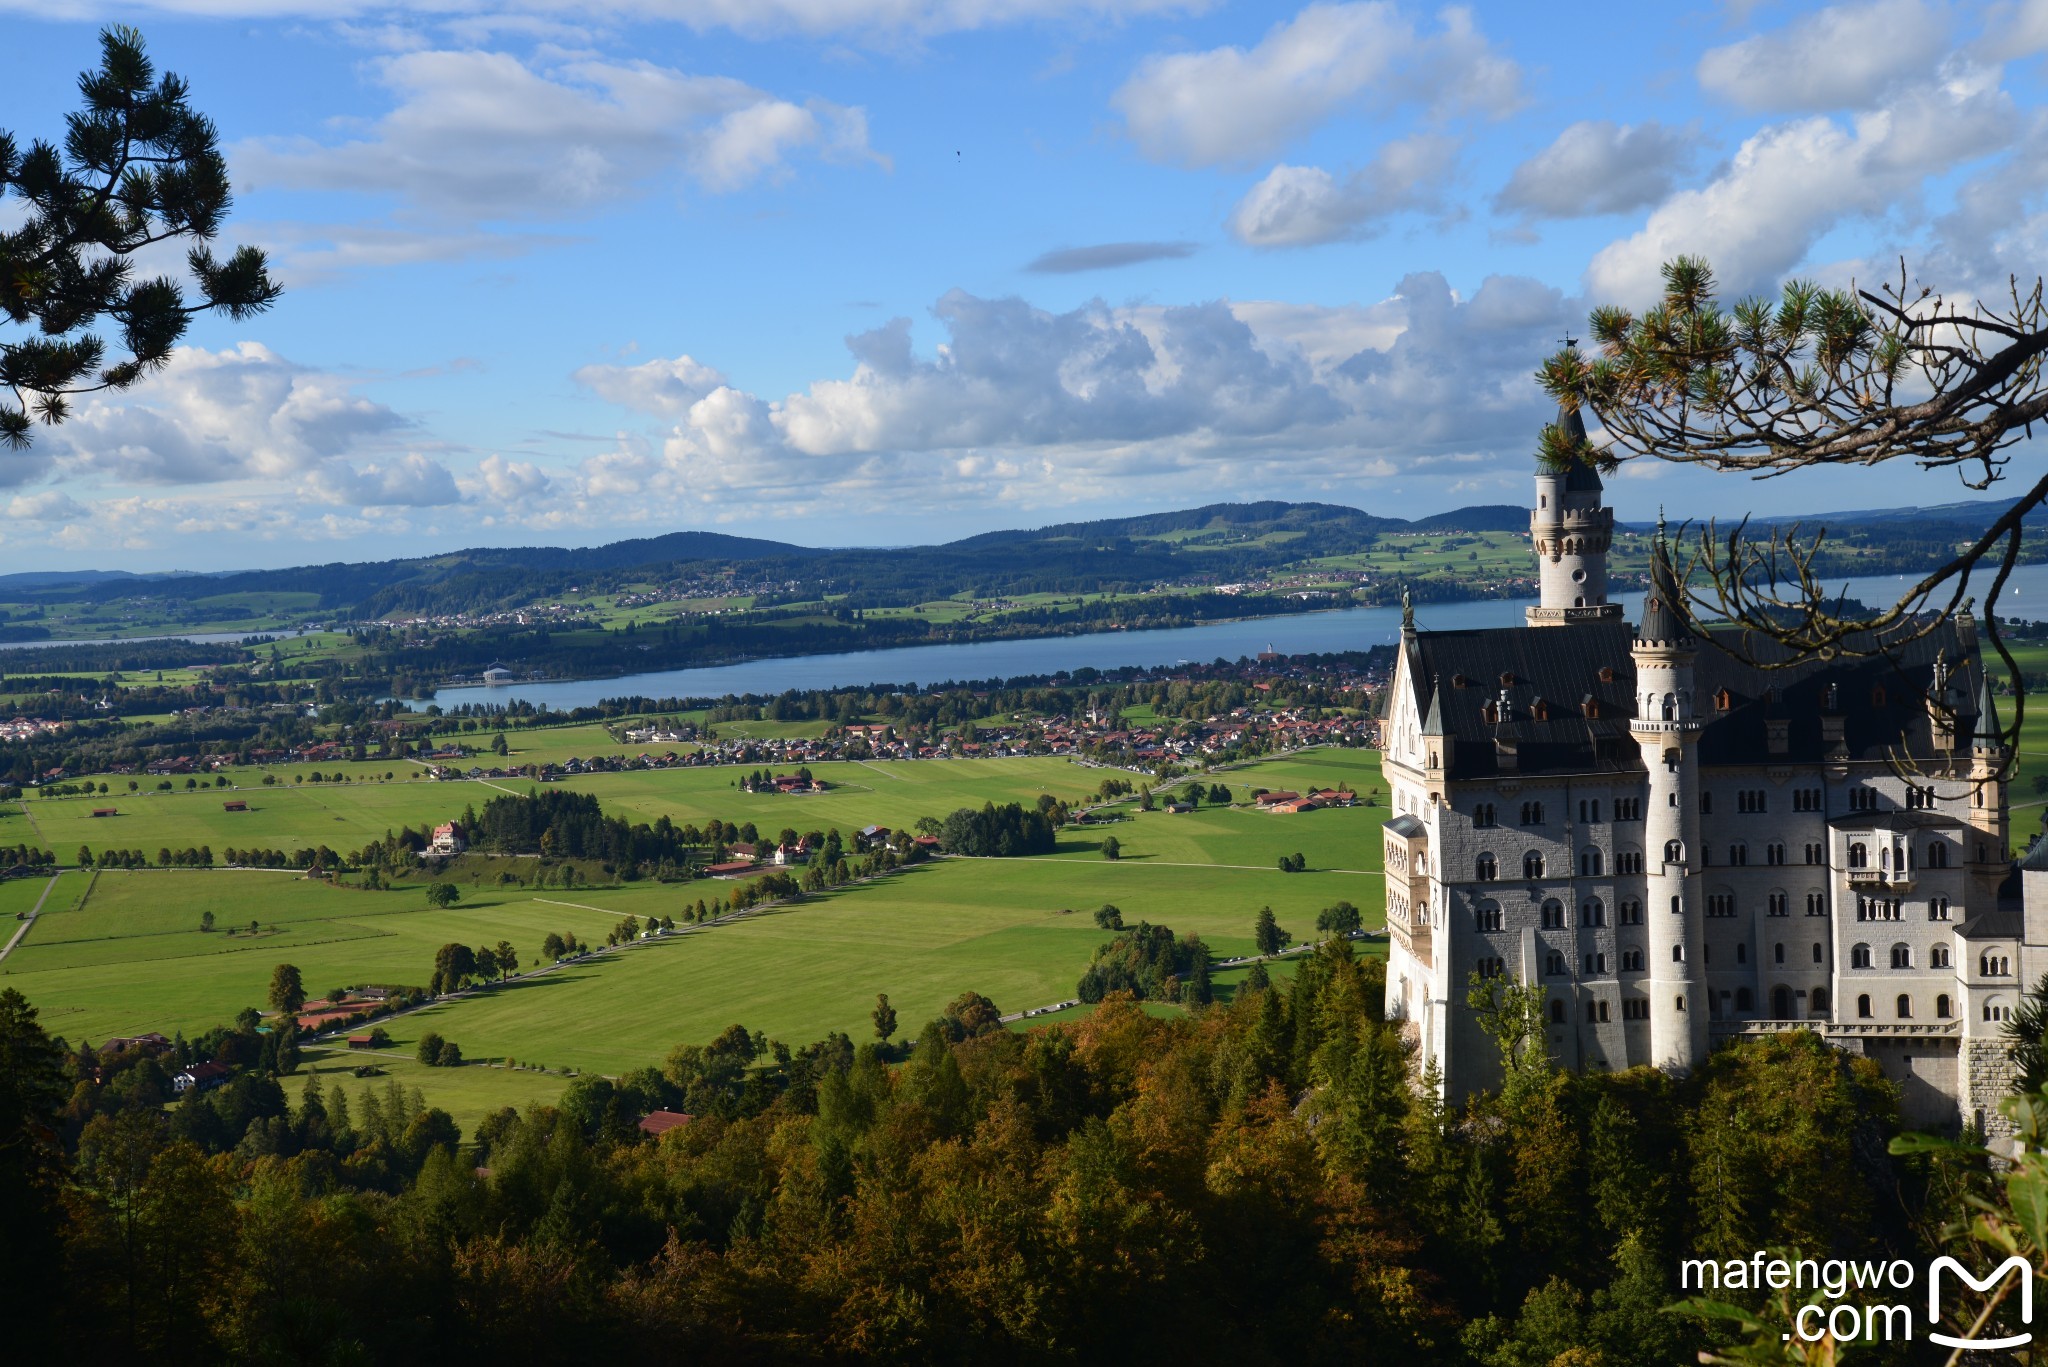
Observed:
{"x":1890,"y":880}
{"x":1837,"y":1031}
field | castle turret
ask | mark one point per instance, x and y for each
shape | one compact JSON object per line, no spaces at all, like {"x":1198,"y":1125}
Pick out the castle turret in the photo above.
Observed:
{"x":1988,"y":762}
{"x":1571,"y":532}
{"x":1667,"y":728}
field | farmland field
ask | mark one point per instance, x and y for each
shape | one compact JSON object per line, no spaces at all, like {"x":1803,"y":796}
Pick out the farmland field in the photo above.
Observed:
{"x":132,"y":957}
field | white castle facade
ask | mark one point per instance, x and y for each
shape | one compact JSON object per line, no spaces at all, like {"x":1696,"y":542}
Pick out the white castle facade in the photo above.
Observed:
{"x":1684,"y":847}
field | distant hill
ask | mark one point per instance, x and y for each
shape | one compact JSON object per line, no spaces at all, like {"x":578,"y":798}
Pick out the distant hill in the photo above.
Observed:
{"x":1219,"y":542}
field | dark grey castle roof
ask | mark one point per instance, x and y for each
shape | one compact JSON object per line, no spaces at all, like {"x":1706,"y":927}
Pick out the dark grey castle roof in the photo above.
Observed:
{"x":1663,"y":608}
{"x":1580,"y":477}
{"x":1569,"y":696}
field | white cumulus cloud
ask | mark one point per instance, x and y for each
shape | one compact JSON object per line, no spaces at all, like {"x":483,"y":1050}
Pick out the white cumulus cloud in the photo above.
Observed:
{"x":1843,"y":57}
{"x":1597,"y":166}
{"x":1298,"y":206}
{"x":485,"y":136}
{"x":1231,"y":104}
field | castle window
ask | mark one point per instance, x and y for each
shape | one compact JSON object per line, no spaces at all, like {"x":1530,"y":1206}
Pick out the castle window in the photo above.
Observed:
{"x":1482,"y":815}
{"x":1738,"y":853}
{"x":1741,"y":953}
{"x":1774,"y":853}
{"x":1628,"y":861}
{"x":1806,"y":799}
{"x":1814,"y":855}
{"x":1589,"y":863}
{"x":1859,"y":855}
{"x":1941,"y":1007}
{"x":1677,"y":905}
{"x":1816,"y":904}
{"x":1721,"y":904}
{"x":1863,"y":1006}
{"x":1706,"y":803}
{"x":1678,"y":954}
{"x":1592,"y":912}
{"x":1995,"y":1009}
{"x":1938,"y":909}
{"x":1937,"y":957}
{"x":1553,"y":914}
{"x":1859,"y":956}
{"x":1532,"y":814}
{"x":1781,"y":1003}
{"x":1674,"y":852}
{"x":1488,"y":916}
{"x":1905,"y":1007}
{"x":1902,"y":956}
{"x":1631,"y":912}
{"x":1817,"y":952}
{"x":1723,"y":700}
{"x":1490,"y":968}
{"x":1679,"y":1002}
{"x":1553,"y":964}
{"x":1557,"y":1013}
{"x":1596,"y":964}
{"x":1628,"y":809}
{"x":1937,"y":855}
{"x":1532,"y":865}
{"x":1635,"y":1011}
{"x":1993,"y":965}
{"x":1743,"y":1000}
{"x":1778,"y":953}
{"x":1485,"y":868}
{"x":1778,"y":904}
{"x":1631,"y":961}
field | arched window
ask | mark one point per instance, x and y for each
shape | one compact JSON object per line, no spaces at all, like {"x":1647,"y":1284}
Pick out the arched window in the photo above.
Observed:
{"x":1820,"y":999}
{"x":1817,"y":952}
{"x":1482,"y":815}
{"x":1674,"y":851}
{"x":1781,"y":1003}
{"x":1485,"y":868}
{"x":1905,"y":1007}
{"x":1902,"y":956}
{"x":1589,"y":863}
{"x":1557,"y":1013}
{"x":1777,"y":954}
{"x":1670,"y":708}
{"x":1996,"y":1009}
{"x":1859,"y":956}
{"x":1553,"y":914}
{"x":1937,"y":957}
{"x":1532,"y":865}
{"x":1859,"y":855}
{"x":1941,"y":1007}
{"x":1631,"y":912}
{"x":1937,"y":855}
{"x":1743,"y":1000}
{"x":1631,"y":961}
{"x":1592,"y":912}
{"x":1553,"y":964}
{"x":1678,"y":954}
{"x":1488,"y":915}
{"x":1863,"y":1007}
{"x":1532,"y":814}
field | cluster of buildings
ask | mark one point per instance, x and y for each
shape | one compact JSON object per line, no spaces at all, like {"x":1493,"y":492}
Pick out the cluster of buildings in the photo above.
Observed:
{"x":1685,"y":837}
{"x":28,"y":728}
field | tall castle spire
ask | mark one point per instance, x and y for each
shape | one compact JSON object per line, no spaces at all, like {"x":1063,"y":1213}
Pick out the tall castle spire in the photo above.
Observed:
{"x":1571,"y":530}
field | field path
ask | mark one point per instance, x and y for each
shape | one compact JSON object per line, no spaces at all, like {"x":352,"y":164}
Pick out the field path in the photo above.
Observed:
{"x":30,"y":919}
{"x":41,"y":839}
{"x":865,"y":764}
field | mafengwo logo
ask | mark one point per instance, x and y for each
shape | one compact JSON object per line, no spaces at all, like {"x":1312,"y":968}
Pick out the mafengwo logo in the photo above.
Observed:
{"x":1855,"y":1321}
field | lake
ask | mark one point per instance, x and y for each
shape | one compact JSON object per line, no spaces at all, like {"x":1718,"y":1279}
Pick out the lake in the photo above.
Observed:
{"x":1297,"y":634}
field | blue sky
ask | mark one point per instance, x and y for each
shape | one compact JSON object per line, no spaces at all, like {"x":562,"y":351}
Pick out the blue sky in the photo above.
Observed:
{"x":895,"y":271}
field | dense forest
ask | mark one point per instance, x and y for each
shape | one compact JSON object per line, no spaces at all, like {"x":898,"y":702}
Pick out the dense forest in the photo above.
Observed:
{"x":1252,"y":1182}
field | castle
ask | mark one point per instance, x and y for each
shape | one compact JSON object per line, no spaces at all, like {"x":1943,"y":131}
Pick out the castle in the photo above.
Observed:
{"x":1686,"y":844}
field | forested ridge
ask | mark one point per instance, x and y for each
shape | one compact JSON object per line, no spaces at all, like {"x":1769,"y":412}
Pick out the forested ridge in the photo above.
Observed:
{"x":1253,"y":1182}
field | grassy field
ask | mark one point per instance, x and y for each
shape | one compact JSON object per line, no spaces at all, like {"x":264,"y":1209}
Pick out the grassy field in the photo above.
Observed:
{"x":345,"y":815}
{"x":468,"y":1093}
{"x":132,"y":957}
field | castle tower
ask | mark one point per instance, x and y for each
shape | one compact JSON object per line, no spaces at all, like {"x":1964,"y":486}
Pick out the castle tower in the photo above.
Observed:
{"x":1667,"y":727}
{"x":1988,"y":758}
{"x":1571,"y":532}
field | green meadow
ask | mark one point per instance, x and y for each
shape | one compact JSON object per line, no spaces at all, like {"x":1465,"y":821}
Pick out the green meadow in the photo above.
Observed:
{"x":121,"y":952}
